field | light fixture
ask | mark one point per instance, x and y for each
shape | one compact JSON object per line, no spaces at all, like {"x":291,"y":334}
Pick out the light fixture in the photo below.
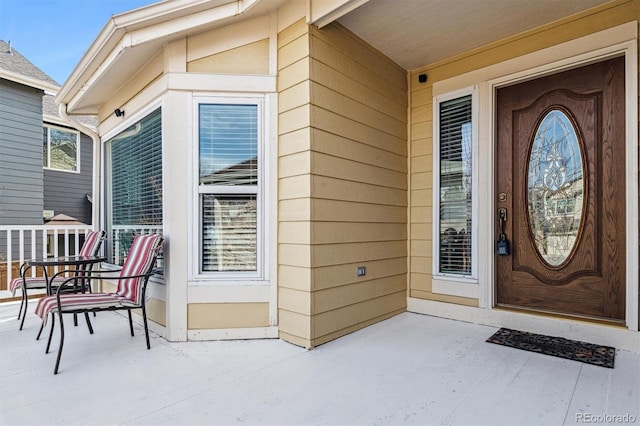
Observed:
{"x":119,"y":112}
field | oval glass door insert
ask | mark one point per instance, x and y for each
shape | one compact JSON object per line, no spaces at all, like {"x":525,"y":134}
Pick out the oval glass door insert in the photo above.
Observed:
{"x":555,"y":188}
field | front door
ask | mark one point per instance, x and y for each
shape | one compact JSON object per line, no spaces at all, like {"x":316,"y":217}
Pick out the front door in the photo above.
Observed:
{"x":561,"y":190}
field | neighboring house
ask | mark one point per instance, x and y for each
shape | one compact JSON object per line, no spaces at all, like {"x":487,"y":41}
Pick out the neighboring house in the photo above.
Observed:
{"x":46,"y":163}
{"x":317,"y":166}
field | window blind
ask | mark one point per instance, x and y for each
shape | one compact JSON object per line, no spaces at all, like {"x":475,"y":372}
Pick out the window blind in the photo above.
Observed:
{"x":134,"y":178}
{"x":455,"y":181}
{"x":228,"y":185}
{"x":229,"y":238}
{"x":228,"y":148}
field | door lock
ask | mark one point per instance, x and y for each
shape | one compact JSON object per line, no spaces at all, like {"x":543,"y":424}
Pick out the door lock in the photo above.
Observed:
{"x":502,"y":245}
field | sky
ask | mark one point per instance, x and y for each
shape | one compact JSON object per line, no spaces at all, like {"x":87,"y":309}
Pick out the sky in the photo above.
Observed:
{"x":55,"y":34}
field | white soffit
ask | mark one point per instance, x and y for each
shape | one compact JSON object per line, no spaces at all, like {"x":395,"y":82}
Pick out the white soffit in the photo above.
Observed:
{"x":130,"y":40}
{"x":416,"y":33}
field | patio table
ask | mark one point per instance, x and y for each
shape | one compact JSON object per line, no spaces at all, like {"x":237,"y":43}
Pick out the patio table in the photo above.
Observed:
{"x":79,"y":263}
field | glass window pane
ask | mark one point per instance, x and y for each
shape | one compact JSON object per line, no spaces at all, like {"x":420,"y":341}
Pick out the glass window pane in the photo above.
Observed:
{"x":455,"y":186}
{"x":63,"y":146}
{"x":228,"y":144}
{"x":45,"y":147}
{"x":229,"y":238}
{"x":134,"y":179}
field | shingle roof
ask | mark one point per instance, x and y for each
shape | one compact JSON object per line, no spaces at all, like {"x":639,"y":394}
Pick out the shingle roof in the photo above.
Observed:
{"x":11,"y":60}
{"x":49,"y":107}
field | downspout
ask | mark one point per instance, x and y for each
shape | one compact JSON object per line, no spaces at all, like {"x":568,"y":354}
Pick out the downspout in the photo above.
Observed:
{"x":95,"y":188}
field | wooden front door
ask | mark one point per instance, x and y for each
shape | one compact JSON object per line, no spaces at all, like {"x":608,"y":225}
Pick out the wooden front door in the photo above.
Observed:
{"x":561,"y":184}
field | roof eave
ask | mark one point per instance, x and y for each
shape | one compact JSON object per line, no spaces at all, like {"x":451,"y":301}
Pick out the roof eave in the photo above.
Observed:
{"x":149,"y":24}
{"x":49,"y":88}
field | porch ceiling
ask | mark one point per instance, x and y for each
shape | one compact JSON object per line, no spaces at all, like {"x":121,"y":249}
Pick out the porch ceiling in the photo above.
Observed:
{"x":416,"y":33}
{"x":413,"y":33}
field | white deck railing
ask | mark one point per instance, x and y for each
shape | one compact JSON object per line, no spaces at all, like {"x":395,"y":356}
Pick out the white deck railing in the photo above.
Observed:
{"x":20,"y":243}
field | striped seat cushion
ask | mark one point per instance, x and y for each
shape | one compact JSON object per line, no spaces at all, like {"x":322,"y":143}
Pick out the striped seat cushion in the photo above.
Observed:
{"x":34,"y":283}
{"x":140,"y":259}
{"x":91,"y":245}
{"x":74,"y":301}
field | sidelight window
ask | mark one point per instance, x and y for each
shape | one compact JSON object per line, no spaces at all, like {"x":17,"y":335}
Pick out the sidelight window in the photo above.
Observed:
{"x":454,"y":195}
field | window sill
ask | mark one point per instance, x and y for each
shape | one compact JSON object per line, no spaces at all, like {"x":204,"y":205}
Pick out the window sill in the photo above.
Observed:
{"x":458,"y":286}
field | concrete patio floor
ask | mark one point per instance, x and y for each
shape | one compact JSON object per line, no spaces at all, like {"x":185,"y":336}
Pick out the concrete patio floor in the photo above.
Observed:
{"x":410,"y":369}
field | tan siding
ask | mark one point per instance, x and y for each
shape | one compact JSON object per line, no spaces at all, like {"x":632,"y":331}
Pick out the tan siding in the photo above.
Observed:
{"x":293,"y":74}
{"x":343,"y":164}
{"x":325,"y":187}
{"x":294,"y":260}
{"x":351,"y":294}
{"x":294,"y":277}
{"x":294,"y":142}
{"x":227,"y":315}
{"x":342,"y":147}
{"x":344,"y":319}
{"x":293,"y":97}
{"x":421,"y":124}
{"x":341,"y":275}
{"x":294,"y":300}
{"x":252,"y":58}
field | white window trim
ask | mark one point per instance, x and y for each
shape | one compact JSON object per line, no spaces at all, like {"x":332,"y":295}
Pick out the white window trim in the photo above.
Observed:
{"x":443,"y":283}
{"x":261,"y":275}
{"x":78,"y":140}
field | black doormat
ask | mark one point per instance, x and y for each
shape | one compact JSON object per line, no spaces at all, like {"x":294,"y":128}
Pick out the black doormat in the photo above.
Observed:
{"x":589,"y":353}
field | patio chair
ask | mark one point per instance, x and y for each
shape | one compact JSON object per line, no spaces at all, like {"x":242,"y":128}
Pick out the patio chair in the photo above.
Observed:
{"x":90,"y":247}
{"x":130,"y":293}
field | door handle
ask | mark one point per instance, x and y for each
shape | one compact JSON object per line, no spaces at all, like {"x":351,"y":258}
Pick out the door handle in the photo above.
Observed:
{"x":502,"y":245}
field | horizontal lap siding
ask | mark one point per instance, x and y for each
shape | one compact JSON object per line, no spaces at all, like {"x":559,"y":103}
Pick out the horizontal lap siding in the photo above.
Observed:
{"x":358,"y":184}
{"x":294,"y":190}
{"x":421,"y":124}
{"x":21,"y":200}
{"x":342,"y":184}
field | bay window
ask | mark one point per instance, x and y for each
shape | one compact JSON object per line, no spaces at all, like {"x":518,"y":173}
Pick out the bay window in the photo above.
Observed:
{"x":133,"y":181}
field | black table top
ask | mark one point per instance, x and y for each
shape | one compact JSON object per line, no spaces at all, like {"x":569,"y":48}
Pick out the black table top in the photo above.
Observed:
{"x":66,"y":260}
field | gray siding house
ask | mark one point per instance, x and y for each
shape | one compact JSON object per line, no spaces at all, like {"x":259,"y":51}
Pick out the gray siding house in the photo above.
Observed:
{"x":46,"y":163}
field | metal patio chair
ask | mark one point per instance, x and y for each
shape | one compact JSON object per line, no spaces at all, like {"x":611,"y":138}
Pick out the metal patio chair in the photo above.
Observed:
{"x":90,"y":247}
{"x":130,"y":293}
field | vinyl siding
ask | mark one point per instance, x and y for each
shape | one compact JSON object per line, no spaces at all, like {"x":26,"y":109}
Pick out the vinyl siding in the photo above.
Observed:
{"x":343,"y":184}
{"x":421,"y":123}
{"x":66,"y":192}
{"x":21,"y":200}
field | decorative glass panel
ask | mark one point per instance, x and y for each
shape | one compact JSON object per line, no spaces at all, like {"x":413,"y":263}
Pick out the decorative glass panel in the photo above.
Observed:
{"x":555,"y":187}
